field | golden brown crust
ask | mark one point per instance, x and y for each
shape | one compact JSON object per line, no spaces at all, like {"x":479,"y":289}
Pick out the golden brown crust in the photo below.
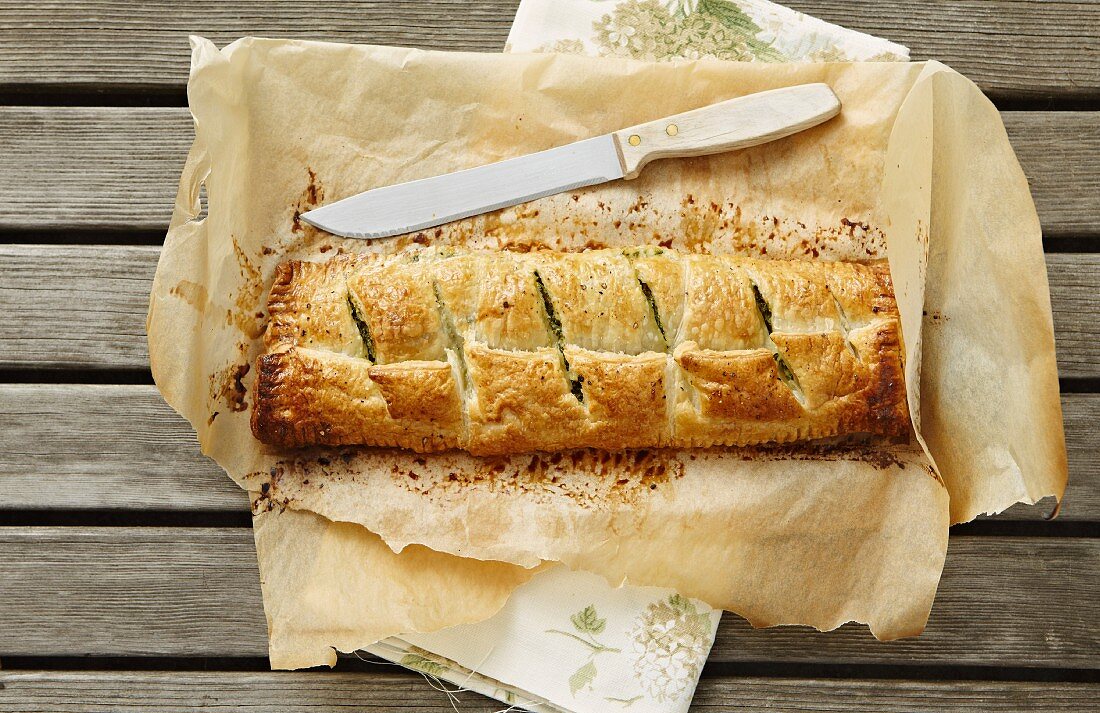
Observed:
{"x":596,"y":298}
{"x":308,"y":306}
{"x":305,"y":397}
{"x":398,"y":307}
{"x":660,"y":276}
{"x":625,"y":397}
{"x":422,"y":392}
{"x":884,"y":409}
{"x":494,"y":302}
{"x":824,"y":366}
{"x":737,"y":385}
{"x":520,"y":401}
{"x":720,"y":310}
{"x":500,"y":353}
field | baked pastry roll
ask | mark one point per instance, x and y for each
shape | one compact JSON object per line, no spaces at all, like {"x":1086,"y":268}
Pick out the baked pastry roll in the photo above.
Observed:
{"x":500,"y":352}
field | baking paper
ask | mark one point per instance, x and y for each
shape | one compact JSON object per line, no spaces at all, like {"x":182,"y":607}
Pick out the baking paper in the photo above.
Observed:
{"x":331,"y":586}
{"x":815,"y":538}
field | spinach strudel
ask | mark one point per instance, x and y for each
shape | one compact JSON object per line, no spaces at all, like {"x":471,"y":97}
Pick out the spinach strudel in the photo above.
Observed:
{"x":499,"y":352}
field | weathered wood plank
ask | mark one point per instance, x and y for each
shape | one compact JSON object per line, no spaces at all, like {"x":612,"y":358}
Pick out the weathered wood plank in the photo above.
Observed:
{"x":114,"y":168}
{"x":75,"y":306}
{"x":1075,"y":301}
{"x":1000,"y":45}
{"x":1060,"y":154}
{"x":195,"y":592}
{"x":90,"y":447}
{"x":1010,"y":47}
{"x":329,"y":692}
{"x":84,"y":307}
{"x":71,"y":591}
{"x":101,"y":168}
{"x":79,"y":446}
{"x":110,"y":43}
{"x":766,"y":695}
{"x":1021,"y":601}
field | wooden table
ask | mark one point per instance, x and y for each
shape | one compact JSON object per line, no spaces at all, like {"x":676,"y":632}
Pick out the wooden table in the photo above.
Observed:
{"x":127,"y":568}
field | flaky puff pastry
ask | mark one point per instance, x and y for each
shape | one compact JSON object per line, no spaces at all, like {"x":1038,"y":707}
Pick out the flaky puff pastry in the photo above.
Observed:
{"x":500,"y":352}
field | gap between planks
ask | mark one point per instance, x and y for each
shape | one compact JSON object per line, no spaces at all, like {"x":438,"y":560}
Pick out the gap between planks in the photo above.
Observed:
{"x":325,"y":692}
{"x":68,"y":169}
{"x":194,"y":592}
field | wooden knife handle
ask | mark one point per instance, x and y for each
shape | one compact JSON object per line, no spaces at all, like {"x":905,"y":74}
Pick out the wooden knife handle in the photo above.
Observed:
{"x":725,"y":126}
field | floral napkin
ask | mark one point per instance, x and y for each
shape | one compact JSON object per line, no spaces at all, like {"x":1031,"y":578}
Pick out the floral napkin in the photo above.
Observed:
{"x":568,"y":642}
{"x":652,"y":30}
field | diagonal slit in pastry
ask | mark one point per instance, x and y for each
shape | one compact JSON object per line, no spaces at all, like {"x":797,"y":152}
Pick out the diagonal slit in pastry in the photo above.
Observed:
{"x":456,"y":356}
{"x":845,"y":323}
{"x":553,"y":324}
{"x":786,"y":374}
{"x":362,"y":326}
{"x":455,"y":342}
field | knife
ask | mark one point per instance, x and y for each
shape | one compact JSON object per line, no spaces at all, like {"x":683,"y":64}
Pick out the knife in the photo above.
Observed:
{"x":732,"y":124}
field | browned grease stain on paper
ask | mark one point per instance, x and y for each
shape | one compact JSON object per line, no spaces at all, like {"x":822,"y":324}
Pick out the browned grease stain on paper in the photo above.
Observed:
{"x":589,"y":478}
{"x":266,"y":500}
{"x":192,"y":293}
{"x":713,"y":228}
{"x":697,"y":225}
{"x":227,"y":387}
{"x":247,"y":316}
{"x":311,"y":197}
{"x":878,"y":458}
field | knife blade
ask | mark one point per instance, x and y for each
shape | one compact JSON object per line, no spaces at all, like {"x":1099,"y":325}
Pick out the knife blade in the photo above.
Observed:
{"x":732,"y":124}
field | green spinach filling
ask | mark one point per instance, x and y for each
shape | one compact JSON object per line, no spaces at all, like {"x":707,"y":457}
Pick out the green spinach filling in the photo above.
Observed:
{"x":648,"y":294}
{"x":786,"y":375}
{"x":576,"y":383}
{"x":363,"y":327}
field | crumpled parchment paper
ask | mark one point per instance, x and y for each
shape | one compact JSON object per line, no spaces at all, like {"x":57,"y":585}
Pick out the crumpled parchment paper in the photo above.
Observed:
{"x":918,"y":163}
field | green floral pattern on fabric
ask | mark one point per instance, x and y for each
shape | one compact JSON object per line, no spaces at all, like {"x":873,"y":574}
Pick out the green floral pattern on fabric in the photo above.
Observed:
{"x":650,"y":30}
{"x":832,"y":53}
{"x":587,"y":625}
{"x":738,"y":30}
{"x":671,"y":640}
{"x":423,"y":664}
{"x":564,"y":47}
{"x":588,"y":621}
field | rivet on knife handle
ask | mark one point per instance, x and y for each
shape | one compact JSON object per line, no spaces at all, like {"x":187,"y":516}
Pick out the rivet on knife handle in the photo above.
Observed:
{"x":725,"y":126}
